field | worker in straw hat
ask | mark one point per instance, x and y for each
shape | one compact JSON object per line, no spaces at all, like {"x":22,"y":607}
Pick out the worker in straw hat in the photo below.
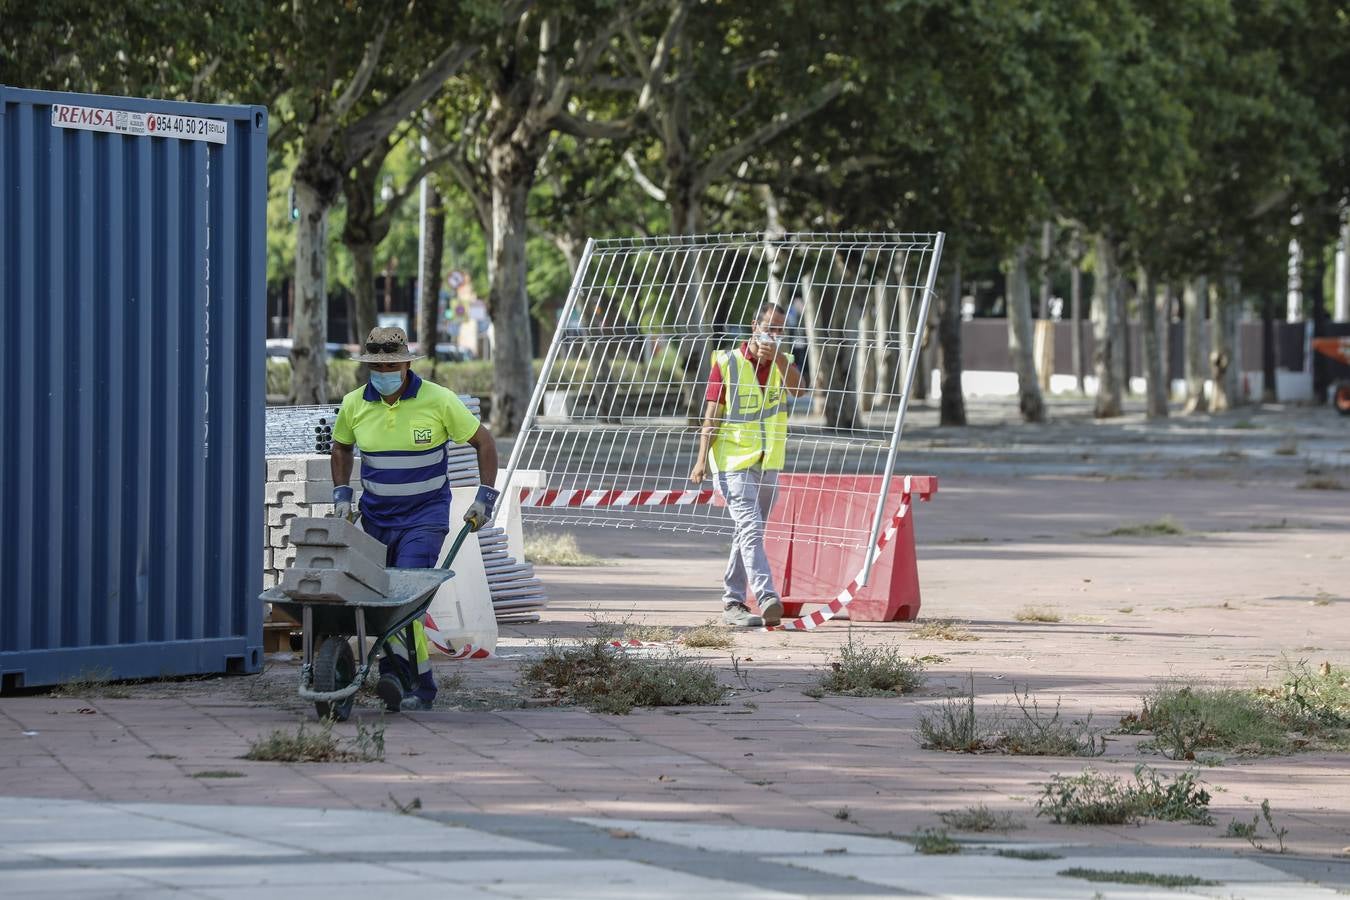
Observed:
{"x":403,"y":425}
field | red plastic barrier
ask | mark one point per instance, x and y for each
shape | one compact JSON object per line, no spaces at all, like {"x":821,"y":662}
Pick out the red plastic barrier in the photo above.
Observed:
{"x":812,"y":513}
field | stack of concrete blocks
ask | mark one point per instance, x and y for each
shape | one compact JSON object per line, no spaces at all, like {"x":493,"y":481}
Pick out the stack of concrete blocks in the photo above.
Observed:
{"x":297,"y":486}
{"x":335,"y":562}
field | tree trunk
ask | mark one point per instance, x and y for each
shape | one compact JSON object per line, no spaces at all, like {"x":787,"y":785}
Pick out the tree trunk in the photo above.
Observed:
{"x":428,"y":330}
{"x":865,"y":364}
{"x":1269,"y":394}
{"x":1108,"y":357}
{"x":363,"y":265}
{"x":508,"y":304}
{"x":309,"y":352}
{"x":1155,"y":393}
{"x":1020,"y":347}
{"x":1193,"y":322}
{"x":885,"y":386}
{"x":814,"y":356}
{"x":1076,"y":343}
{"x":1224,"y":365}
{"x":953,"y":407}
{"x":840,"y":350}
{"x":1165,"y":317}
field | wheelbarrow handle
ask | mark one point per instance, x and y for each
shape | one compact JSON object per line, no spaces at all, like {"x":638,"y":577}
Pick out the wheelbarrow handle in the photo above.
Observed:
{"x":454,"y":548}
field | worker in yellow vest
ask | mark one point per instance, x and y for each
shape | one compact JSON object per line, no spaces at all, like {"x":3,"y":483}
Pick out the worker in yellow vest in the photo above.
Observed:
{"x":744,"y":441}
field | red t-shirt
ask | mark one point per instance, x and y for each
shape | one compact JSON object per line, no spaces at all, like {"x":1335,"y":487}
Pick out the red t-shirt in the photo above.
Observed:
{"x":716,"y":390}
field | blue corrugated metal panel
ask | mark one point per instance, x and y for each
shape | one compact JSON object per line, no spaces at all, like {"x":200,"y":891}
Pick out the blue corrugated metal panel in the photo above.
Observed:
{"x":132,"y":279}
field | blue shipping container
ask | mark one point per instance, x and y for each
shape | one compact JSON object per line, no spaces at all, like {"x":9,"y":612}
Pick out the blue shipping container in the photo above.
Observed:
{"x":132,"y":302}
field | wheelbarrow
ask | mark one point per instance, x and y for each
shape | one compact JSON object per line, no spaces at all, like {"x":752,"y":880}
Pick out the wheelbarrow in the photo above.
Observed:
{"x":329,"y":674}
{"x":1337,"y":348}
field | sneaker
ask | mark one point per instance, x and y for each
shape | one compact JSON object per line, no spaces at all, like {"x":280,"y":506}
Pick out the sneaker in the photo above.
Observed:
{"x":390,"y":690}
{"x":414,"y":704}
{"x":772,"y":611}
{"x":738,"y":615}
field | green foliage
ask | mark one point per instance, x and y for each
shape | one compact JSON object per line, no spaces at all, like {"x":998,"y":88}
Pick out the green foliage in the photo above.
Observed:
{"x":1251,"y":831}
{"x":1164,"y":527}
{"x":594,"y":675}
{"x":1095,"y":798}
{"x":877,"y":671}
{"x":980,"y":818}
{"x":319,"y":746}
{"x":956,"y":727}
{"x":1122,"y":876}
{"x":934,"y":841}
{"x":1028,"y":855}
{"x":1306,"y":710}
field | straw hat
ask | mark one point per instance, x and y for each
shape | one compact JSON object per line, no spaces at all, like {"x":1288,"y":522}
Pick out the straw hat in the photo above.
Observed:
{"x":386,"y":345}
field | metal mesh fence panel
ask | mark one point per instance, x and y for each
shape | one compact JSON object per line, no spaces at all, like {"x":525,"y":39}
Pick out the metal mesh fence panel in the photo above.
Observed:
{"x":615,"y":416}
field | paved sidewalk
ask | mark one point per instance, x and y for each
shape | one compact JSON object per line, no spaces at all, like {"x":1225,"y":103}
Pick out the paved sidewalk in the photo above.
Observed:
{"x":56,"y":848}
{"x":1257,"y":578}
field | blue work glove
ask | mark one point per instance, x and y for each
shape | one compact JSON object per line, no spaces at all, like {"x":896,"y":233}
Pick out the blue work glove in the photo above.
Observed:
{"x":480,"y":511}
{"x":342,"y":502}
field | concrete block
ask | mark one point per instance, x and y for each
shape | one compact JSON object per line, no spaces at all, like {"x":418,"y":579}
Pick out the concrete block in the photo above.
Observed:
{"x":267,"y":559}
{"x":283,"y":558}
{"x":281,"y":514}
{"x":279,"y":536}
{"x":356,"y":564}
{"x":326,"y":585}
{"x":282,"y":492}
{"x":329,"y":532}
{"x":312,"y":467}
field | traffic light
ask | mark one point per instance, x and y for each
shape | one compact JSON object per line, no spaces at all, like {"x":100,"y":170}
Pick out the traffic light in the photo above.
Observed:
{"x":295,"y":207}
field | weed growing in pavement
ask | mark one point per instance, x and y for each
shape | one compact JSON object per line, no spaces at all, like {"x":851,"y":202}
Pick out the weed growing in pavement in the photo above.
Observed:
{"x":318,"y":746}
{"x":94,"y":682}
{"x":1029,"y":855}
{"x":649,"y":634}
{"x":843,"y":813}
{"x":1250,"y":831}
{"x":1308,"y":709}
{"x":1321,"y":483}
{"x":1288,"y":448}
{"x":595,"y":676}
{"x":1036,"y":614}
{"x":1095,"y":798}
{"x":218,"y":773}
{"x":1164,"y":527}
{"x":942,"y":630}
{"x":547,"y":548}
{"x":980,"y":818}
{"x":708,"y":636}
{"x":955,"y":726}
{"x":1124,"y":877}
{"x":934,"y":841}
{"x":878,"y":671}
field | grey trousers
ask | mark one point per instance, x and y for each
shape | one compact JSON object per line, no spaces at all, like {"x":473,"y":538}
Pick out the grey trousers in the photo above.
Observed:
{"x":750,"y":494}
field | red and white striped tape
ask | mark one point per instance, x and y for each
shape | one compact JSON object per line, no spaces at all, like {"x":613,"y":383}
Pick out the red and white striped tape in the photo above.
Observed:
{"x":441,"y":643}
{"x":553,"y":498}
{"x":839,"y":603}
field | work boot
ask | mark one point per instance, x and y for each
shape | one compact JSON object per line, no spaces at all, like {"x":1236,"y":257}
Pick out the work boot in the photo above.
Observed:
{"x":738,"y":615}
{"x":771,"y":610}
{"x":390,"y":690}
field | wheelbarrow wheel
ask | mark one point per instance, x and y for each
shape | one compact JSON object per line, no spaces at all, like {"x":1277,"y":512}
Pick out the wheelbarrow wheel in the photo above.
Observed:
{"x":334,"y":669}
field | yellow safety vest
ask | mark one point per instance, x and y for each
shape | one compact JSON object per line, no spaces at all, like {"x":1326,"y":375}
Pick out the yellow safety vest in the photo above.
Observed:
{"x":753,"y":430}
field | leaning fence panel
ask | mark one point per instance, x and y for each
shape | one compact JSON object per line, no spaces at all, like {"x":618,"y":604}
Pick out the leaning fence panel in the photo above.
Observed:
{"x":614,"y":429}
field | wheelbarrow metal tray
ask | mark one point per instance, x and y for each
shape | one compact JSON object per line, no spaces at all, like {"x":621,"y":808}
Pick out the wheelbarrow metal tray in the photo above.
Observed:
{"x":409,"y":589}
